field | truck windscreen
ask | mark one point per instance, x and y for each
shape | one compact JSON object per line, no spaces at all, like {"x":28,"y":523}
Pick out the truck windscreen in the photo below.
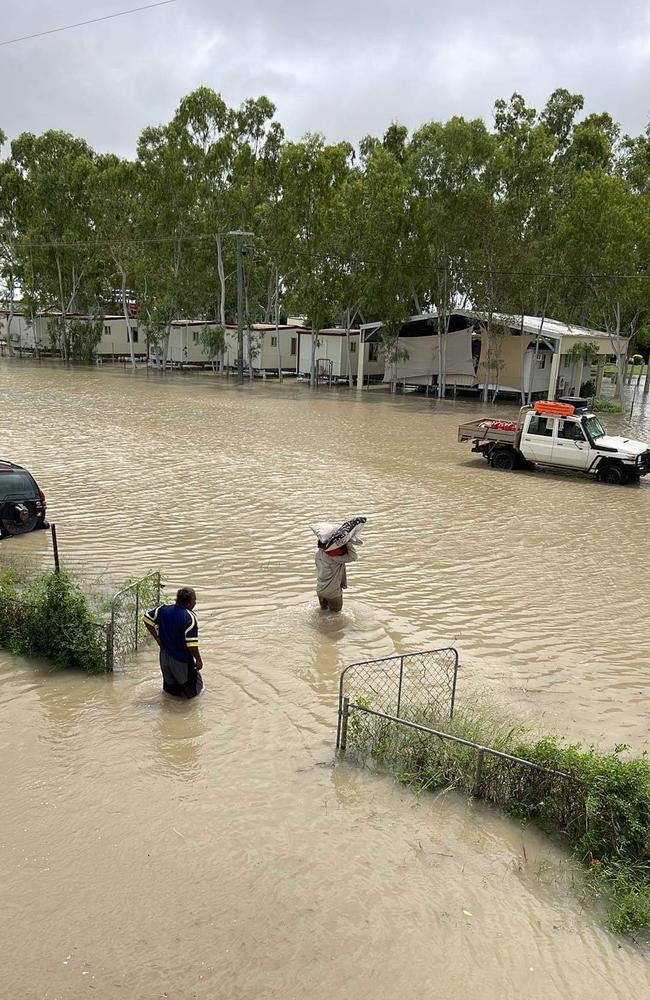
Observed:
{"x":594,"y":428}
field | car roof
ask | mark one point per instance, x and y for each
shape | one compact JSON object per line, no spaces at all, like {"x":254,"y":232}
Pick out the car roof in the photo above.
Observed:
{"x":5,"y":466}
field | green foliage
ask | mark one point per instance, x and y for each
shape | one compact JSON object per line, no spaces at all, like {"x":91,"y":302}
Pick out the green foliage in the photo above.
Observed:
{"x":213,"y":339}
{"x":605,"y":406}
{"x":76,"y":339}
{"x":600,"y":802}
{"x":50,"y":617}
{"x":583,"y":352}
{"x":508,"y":219}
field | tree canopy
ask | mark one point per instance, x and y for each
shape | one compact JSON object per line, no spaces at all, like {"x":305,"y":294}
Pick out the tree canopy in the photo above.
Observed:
{"x":543,"y":212}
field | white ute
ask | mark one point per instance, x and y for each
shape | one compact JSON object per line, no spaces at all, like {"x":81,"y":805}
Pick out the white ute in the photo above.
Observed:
{"x":562,"y":434}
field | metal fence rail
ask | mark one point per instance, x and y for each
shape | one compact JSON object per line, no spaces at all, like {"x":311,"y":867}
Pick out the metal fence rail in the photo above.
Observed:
{"x":402,"y":685}
{"x":126,"y":630}
{"x":402,"y":690}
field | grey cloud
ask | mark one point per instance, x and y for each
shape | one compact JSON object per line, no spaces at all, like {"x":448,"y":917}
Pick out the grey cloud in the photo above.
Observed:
{"x":344,"y":67}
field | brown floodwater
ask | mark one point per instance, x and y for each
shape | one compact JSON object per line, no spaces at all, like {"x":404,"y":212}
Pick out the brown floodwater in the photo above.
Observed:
{"x":216,"y":849}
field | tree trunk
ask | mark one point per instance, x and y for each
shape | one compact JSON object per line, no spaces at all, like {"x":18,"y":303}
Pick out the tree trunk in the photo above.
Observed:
{"x":222,"y":281}
{"x":578,"y":378}
{"x":10,"y":318}
{"x":64,"y":338}
{"x":348,"y":324}
{"x":127,"y":320}
{"x":488,"y":365}
{"x":277,"y":324}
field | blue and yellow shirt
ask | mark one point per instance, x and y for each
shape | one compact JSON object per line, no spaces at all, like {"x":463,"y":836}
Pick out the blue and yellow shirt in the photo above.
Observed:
{"x":178,"y":630}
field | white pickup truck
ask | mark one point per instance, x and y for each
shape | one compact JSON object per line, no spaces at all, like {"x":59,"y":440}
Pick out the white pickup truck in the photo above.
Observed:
{"x":562,"y":434}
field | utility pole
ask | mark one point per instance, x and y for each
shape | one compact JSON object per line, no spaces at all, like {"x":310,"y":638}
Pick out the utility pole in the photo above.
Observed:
{"x":239,"y":234}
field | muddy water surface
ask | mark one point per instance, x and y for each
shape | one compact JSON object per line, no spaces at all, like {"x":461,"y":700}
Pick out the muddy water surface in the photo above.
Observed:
{"x":213,"y":849}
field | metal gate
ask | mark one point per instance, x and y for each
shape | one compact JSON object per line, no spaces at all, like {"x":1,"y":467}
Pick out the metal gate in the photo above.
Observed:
{"x":401,"y":685}
{"x":126,"y":630}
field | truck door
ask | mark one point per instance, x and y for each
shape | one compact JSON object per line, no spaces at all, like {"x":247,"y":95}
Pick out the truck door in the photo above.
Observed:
{"x":571,"y":447}
{"x":537,"y":438}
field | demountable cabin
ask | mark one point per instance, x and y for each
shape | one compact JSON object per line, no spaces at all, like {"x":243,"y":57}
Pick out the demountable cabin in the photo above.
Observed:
{"x":331,"y":354}
{"x":520,"y":355}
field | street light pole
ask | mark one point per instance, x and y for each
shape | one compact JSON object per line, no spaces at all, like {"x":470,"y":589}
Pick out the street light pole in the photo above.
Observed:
{"x":239,"y":235}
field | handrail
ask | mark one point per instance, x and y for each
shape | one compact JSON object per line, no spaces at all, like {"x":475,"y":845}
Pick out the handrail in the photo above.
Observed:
{"x":352,"y":706}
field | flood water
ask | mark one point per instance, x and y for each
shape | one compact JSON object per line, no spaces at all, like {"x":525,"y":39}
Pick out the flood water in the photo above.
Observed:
{"x":216,"y":849}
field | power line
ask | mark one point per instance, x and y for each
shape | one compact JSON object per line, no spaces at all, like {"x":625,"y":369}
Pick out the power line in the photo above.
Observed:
{"x":93,"y":20}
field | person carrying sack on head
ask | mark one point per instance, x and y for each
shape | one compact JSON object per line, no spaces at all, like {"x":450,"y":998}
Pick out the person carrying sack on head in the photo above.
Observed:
{"x":336,"y":548}
{"x":176,"y":630}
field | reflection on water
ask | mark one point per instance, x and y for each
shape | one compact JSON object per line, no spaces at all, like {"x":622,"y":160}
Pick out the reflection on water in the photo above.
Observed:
{"x":211,"y":849}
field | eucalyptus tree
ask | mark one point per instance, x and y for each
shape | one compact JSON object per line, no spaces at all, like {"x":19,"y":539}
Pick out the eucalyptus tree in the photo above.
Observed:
{"x":53,"y":219}
{"x":300,"y":225}
{"x":10,"y":184}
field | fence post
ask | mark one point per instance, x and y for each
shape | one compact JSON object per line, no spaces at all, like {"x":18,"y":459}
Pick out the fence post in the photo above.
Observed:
{"x":55,"y":546}
{"x":137,"y":613}
{"x":109,"y":647}
{"x":453,"y":686}
{"x":399,"y":687}
{"x":344,"y":724}
{"x":476,"y":790}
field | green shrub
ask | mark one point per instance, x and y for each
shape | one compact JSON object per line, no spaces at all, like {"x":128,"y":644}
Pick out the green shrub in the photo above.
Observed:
{"x":605,"y":406}
{"x":50,"y":617}
{"x":602,"y":806}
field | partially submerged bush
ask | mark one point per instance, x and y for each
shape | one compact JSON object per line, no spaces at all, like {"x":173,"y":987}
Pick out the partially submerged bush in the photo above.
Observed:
{"x":602,"y":807}
{"x":50,"y":617}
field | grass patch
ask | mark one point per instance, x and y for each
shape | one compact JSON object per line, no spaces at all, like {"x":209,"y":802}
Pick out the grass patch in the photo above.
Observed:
{"x":602,"y":809}
{"x":605,"y":406}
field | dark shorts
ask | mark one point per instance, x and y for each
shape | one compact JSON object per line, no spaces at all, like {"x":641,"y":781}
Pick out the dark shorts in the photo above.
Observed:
{"x":180,"y":679}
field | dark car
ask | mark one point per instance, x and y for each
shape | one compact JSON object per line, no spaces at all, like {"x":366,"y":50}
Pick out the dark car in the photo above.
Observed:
{"x":22,"y":501}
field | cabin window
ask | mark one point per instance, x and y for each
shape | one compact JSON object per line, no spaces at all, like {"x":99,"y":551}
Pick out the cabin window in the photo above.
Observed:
{"x":274,"y":341}
{"x":107,"y":331}
{"x":353,"y":347}
{"x":294,"y":344}
{"x":567,"y":361}
{"x":134,"y":334}
{"x":373,"y":352}
{"x":195,"y":336}
{"x":541,"y":361}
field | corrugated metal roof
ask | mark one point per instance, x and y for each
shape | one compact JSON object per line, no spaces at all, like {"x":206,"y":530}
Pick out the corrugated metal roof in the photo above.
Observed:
{"x":552,"y":329}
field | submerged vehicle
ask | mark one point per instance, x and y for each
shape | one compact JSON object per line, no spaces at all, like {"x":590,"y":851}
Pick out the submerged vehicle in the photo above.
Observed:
{"x":561,"y":433}
{"x":22,"y":501}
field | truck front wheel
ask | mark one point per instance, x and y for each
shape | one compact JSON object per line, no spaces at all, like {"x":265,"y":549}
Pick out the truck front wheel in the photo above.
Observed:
{"x":503,"y":458}
{"x":611,"y":473}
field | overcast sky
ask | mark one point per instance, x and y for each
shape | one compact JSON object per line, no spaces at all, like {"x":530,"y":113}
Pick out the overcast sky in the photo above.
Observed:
{"x":342,"y":67}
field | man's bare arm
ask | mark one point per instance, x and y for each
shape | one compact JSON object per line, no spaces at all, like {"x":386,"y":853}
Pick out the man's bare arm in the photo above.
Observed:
{"x":152,"y":630}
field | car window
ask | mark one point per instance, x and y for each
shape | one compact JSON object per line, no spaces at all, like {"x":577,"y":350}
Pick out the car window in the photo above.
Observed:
{"x":543,"y":426}
{"x":17,"y":485}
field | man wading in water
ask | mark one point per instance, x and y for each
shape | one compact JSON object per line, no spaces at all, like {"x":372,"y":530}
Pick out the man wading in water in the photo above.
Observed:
{"x":331,"y":578}
{"x":176,"y":630}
